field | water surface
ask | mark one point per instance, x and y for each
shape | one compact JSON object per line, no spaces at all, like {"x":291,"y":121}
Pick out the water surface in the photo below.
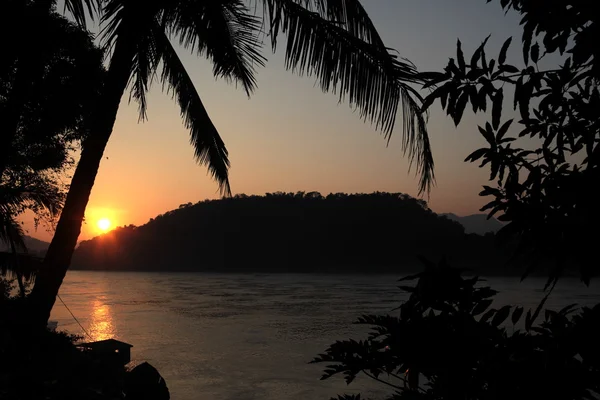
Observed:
{"x":227,"y":336}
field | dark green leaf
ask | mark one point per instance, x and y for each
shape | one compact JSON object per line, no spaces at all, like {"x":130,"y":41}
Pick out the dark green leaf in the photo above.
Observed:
{"x":473,"y":98}
{"x":460,"y":57}
{"x":516,"y":315}
{"x":511,"y":69}
{"x":497,"y":108}
{"x":535,"y":53}
{"x":488,"y":315}
{"x":451,"y":68}
{"x":494,"y":169}
{"x":518,"y":89}
{"x":433,"y":78}
{"x":438,"y":92}
{"x":503,"y":129}
{"x":487,"y":190}
{"x":491,"y":66}
{"x":568,"y":309}
{"x":475,"y":74}
{"x":501,"y":316}
{"x":505,"y":46}
{"x":410,"y":278}
{"x":524,"y":96}
{"x":461,"y":103}
{"x":482,"y":102}
{"x":444,"y":99}
{"x":479,"y":53}
{"x":488,"y":134}
{"x":481,"y":307}
{"x":528,"y":320}
{"x":533,"y":317}
{"x":476,"y":155}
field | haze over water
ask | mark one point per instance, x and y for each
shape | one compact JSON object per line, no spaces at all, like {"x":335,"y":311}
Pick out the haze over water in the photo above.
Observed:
{"x":229,"y":336}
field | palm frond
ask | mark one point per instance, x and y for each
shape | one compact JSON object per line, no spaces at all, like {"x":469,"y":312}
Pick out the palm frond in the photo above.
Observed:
{"x":13,"y":198}
{"x":224,"y":30}
{"x":349,"y":14}
{"x":149,"y":46}
{"x":111,"y":22}
{"x":143,"y":68}
{"x":336,"y":41}
{"x":204,"y":137}
{"x":40,"y":197}
{"x":11,"y":233}
{"x":416,"y":143}
{"x":134,"y":29}
{"x":82,"y":8}
{"x":24,"y":265}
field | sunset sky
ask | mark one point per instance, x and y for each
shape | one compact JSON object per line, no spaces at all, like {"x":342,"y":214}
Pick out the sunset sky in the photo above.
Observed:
{"x":289,"y":136}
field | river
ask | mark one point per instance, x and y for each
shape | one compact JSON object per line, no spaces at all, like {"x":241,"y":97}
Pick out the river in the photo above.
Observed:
{"x":227,"y":336}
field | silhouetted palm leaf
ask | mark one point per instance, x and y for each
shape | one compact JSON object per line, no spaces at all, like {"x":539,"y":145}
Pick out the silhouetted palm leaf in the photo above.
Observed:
{"x":11,"y":198}
{"x":82,"y":8}
{"x":336,"y":41}
{"x":11,"y":233}
{"x":224,"y":30}
{"x":22,"y":266}
{"x":209,"y":147}
{"x":15,"y":263}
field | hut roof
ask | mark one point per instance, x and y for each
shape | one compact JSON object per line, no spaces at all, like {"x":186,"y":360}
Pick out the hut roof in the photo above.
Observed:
{"x":108,"y":345}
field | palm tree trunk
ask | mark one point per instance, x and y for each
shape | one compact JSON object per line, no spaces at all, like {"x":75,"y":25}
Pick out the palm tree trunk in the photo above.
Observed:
{"x":60,"y":251}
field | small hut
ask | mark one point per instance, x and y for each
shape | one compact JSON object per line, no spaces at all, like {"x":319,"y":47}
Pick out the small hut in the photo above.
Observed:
{"x":110,"y":350}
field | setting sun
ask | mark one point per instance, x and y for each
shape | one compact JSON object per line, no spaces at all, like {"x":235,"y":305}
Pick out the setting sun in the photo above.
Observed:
{"x":104,"y":224}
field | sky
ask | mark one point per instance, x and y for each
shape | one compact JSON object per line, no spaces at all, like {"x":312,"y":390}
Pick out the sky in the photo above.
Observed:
{"x":289,"y":136}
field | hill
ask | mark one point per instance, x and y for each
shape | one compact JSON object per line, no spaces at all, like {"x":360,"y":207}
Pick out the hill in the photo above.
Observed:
{"x":302,"y":232}
{"x":35,"y":246}
{"x":476,"y":223}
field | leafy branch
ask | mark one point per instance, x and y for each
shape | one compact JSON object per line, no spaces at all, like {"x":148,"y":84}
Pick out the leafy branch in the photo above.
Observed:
{"x":543,"y":193}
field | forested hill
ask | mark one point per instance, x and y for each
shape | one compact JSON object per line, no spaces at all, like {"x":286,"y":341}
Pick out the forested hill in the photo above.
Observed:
{"x":303,"y":232}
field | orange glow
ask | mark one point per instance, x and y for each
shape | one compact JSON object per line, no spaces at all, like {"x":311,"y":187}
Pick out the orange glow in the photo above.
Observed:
{"x":291,"y":137}
{"x":101,"y":325}
{"x":104,"y":224}
{"x":100,"y":220}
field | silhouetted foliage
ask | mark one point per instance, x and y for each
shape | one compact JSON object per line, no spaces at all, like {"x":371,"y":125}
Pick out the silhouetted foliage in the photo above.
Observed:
{"x":546,"y":193}
{"x":447,"y":342}
{"x":286,"y":232}
{"x":335,"y":42}
{"x":50,"y":76}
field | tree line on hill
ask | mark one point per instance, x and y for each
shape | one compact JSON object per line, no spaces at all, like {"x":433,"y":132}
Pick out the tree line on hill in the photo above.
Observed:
{"x":289,"y":232}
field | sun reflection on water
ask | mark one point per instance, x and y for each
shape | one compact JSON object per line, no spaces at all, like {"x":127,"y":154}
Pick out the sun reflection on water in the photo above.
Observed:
{"x":101,"y":324}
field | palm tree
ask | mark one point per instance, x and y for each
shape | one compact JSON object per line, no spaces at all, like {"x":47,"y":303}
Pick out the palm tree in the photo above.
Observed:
{"x":39,"y":194}
{"x":45,"y":92}
{"x":11,"y":265}
{"x":334,"y":40}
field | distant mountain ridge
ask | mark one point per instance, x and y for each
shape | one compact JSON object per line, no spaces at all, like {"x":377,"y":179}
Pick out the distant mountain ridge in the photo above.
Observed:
{"x":286,"y":232}
{"x":476,"y":223}
{"x":35,"y":246}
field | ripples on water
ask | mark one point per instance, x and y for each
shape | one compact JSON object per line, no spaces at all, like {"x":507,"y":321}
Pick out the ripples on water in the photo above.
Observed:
{"x":216,"y":336}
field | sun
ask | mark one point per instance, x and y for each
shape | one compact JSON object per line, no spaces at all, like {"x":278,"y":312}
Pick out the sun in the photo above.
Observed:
{"x":104,"y":224}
